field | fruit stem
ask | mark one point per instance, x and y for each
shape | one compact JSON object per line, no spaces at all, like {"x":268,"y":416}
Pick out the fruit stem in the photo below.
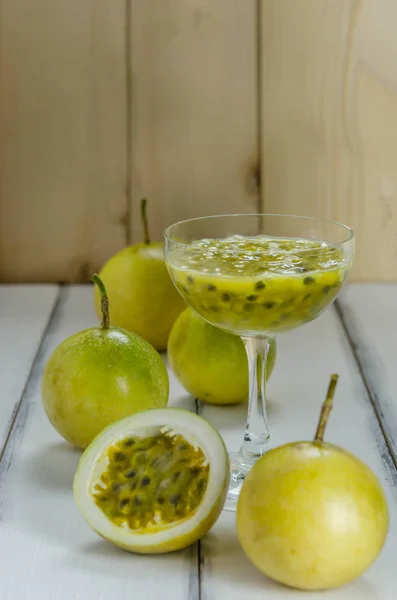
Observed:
{"x":104,"y":301}
{"x":145,"y":222}
{"x":326,"y":409}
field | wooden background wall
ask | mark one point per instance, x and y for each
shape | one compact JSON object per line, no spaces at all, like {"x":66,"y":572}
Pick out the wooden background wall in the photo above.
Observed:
{"x":203,"y":106}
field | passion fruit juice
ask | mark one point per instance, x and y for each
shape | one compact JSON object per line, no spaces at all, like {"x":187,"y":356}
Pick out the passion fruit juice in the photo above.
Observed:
{"x":256,"y":285}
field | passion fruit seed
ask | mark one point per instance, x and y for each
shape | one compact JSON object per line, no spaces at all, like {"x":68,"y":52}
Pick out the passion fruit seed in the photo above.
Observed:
{"x":150,"y":481}
{"x":129,"y":442}
{"x":309,"y":280}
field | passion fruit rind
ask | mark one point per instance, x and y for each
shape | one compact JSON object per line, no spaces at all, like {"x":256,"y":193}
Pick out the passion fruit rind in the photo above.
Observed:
{"x":153,"y":482}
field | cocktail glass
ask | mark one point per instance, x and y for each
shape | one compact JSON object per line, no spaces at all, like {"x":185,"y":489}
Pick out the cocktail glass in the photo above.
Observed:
{"x":257,"y":276}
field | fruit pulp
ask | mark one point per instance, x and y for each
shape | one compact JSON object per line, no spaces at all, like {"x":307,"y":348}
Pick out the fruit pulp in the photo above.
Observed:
{"x":151,"y":481}
{"x":259,"y":284}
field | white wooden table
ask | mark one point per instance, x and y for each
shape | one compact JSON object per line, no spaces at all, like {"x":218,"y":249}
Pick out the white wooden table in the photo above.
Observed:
{"x":47,"y":552}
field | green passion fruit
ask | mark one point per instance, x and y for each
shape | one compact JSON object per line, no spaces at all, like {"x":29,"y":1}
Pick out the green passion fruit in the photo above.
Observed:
{"x":210,"y":363}
{"x":100,"y":375}
{"x":153,"y":482}
{"x":144,"y":299}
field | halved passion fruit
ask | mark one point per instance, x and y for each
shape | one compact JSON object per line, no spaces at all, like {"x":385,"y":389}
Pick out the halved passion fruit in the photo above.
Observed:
{"x":153,"y":482}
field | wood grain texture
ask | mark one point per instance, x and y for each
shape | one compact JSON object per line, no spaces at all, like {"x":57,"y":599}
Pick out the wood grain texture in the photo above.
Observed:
{"x":329,"y":119}
{"x":369,"y":313}
{"x":62,"y":137}
{"x":194,"y":109}
{"x":205,"y":107}
{"x":24,"y":315}
{"x":306,"y":358}
{"x":58,"y":554}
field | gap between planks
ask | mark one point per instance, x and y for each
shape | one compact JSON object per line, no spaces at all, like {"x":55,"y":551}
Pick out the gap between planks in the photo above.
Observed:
{"x":128,"y":138}
{"x":259,"y":113}
{"x":6,"y":452}
{"x":18,"y":405}
{"x":349,"y":333}
{"x":199,"y":553}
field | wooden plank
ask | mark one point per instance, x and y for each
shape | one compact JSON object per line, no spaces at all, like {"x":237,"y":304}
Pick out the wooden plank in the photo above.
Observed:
{"x":58,"y":554}
{"x":24,"y":315}
{"x":62,"y":137}
{"x":329,"y":119}
{"x":194,"y":109}
{"x":369,"y":312}
{"x":306,"y":358}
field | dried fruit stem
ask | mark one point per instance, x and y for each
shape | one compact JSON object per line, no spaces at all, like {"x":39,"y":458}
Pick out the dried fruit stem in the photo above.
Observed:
{"x":326,"y":408}
{"x":104,"y":301}
{"x":145,"y":221}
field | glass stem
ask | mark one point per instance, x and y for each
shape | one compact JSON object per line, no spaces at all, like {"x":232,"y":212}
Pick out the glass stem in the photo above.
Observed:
{"x":257,"y":437}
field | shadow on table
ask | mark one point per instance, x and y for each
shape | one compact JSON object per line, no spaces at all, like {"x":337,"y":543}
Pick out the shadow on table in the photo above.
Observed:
{"x":52,"y":467}
{"x":100,"y":558}
{"x":224,"y":559}
{"x":100,"y":548}
{"x":183,"y":401}
{"x":234,"y":417}
{"x":44,"y":505}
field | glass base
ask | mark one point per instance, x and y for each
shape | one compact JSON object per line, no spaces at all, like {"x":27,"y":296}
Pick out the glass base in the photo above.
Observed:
{"x":239,"y":469}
